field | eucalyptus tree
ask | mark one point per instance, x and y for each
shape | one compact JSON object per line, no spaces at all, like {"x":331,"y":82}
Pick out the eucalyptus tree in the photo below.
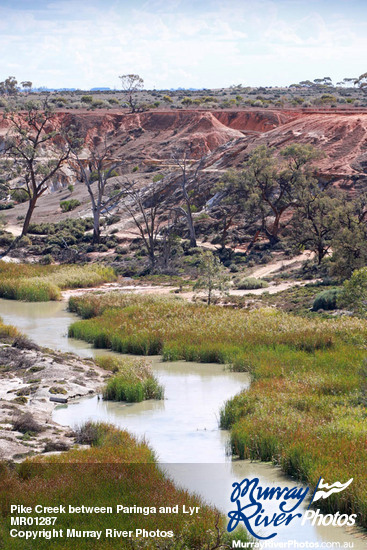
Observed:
{"x":34,"y":151}
{"x":131,"y":84}
{"x":270,"y":185}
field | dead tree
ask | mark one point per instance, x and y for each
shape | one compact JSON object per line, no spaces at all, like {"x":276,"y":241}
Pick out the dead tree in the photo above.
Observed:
{"x":188,"y":182}
{"x":95,"y":172}
{"x":146,"y":208}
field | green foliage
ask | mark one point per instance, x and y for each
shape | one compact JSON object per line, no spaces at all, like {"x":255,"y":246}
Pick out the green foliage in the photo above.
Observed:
{"x":68,"y":205}
{"x":187,"y":101}
{"x":134,"y":380}
{"x":29,"y":290}
{"x":249,"y":283}
{"x":179,"y":330}
{"x":86,"y":99}
{"x":212,"y":277}
{"x":326,"y":300}
{"x":306,"y":372}
{"x":76,"y":227}
{"x":270,"y":185}
{"x":350,"y":242}
{"x":315,"y":222}
{"x":354,"y":293}
{"x":19,"y":195}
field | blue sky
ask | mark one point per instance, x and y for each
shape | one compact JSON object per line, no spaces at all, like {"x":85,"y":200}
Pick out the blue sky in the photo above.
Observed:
{"x":172,"y":43}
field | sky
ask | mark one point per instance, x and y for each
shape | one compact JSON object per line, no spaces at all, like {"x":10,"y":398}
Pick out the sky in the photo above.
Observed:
{"x":182,"y":43}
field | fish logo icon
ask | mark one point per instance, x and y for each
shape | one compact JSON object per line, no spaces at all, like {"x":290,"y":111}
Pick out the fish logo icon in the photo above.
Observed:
{"x":324,"y":490}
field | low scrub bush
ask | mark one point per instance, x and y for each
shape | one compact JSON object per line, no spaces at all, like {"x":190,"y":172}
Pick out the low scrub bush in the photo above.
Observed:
{"x":326,"y":300}
{"x":251,"y":283}
{"x":26,"y":424}
{"x":71,"y":204}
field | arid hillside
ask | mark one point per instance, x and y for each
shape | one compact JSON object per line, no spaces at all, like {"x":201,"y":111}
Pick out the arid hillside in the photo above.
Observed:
{"x":227,"y":136}
{"x":224,"y":138}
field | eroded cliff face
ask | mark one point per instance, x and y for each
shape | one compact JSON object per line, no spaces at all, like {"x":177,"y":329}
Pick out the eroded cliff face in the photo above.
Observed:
{"x":226,"y":136}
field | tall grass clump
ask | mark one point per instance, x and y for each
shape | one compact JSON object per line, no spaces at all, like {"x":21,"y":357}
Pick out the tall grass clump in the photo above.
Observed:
{"x":115,"y":469}
{"x":133,"y":381}
{"x":41,"y":283}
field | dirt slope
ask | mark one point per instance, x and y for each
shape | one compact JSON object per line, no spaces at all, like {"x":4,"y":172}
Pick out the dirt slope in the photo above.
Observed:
{"x":227,"y":136}
{"x":342,"y":137}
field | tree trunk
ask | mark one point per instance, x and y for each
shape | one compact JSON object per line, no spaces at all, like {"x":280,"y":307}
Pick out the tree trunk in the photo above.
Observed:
{"x":96,"y":228}
{"x":190,"y":224}
{"x":28,"y":217}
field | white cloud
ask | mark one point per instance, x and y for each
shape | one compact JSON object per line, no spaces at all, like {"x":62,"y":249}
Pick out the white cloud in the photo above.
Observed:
{"x":175,"y":44}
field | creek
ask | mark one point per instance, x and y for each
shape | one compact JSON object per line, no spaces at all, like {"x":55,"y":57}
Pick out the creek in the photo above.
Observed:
{"x":182,"y":429}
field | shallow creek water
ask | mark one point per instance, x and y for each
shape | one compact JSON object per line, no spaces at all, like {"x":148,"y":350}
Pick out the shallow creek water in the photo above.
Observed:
{"x":182,"y":429}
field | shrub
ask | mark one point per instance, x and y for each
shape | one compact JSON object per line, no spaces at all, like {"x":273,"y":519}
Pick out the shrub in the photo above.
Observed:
{"x":19,"y":195}
{"x":326,"y":300}
{"x":251,"y":283}
{"x":26,"y":424}
{"x":6,"y":205}
{"x":55,"y":446}
{"x":88,"y":434}
{"x":67,"y":206}
{"x":354,"y":292}
{"x":5,"y":238}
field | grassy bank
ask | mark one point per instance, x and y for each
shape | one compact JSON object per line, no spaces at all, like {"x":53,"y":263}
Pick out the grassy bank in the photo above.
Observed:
{"x":180,"y":330}
{"x":133,"y":381}
{"x":41,"y":283}
{"x":306,"y":408}
{"x":117,"y":469}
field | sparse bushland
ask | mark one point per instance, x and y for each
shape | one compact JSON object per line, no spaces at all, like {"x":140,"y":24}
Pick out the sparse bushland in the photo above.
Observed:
{"x":307,"y":378}
{"x":116,"y":469}
{"x":133,"y":380}
{"x":41,"y":283}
